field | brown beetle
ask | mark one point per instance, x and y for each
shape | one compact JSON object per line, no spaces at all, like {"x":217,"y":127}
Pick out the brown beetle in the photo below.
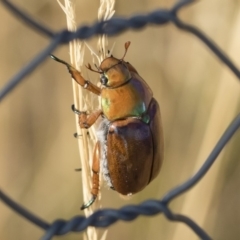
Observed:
{"x":129,"y":150}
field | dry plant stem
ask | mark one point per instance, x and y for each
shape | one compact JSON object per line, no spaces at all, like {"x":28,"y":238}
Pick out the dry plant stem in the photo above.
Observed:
{"x":76,"y":58}
{"x":76,"y":55}
{"x":106,"y":11}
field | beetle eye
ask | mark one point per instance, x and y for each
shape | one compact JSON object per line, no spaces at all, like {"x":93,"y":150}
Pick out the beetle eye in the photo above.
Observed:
{"x":103,"y":79}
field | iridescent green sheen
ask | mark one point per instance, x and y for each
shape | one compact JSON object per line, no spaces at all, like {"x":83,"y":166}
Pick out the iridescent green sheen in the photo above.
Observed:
{"x":139,"y":109}
{"x":106,"y":103}
{"x":146,"y":118}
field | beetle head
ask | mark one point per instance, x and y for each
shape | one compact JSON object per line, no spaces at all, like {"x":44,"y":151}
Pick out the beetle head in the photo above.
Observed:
{"x":115,"y":71}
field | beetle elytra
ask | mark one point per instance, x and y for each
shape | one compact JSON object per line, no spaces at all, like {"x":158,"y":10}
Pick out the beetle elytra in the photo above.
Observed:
{"x":129,"y":150}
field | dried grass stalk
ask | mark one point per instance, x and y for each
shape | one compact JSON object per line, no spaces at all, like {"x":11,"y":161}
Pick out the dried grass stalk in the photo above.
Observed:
{"x":83,"y":101}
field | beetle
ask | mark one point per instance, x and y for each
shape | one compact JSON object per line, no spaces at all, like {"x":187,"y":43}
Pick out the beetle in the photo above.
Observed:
{"x":129,"y":150}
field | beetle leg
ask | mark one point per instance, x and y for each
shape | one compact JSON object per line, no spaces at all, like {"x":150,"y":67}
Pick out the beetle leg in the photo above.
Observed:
{"x":95,"y":177}
{"x":87,"y":120}
{"x":76,"y":75}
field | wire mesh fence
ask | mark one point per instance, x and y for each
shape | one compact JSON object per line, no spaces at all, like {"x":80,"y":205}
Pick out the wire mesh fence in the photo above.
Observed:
{"x":106,"y":217}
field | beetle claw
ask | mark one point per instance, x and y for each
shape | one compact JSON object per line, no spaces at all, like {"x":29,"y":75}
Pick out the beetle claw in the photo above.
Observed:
{"x":78,"y":169}
{"x":59,"y":60}
{"x":89,"y":203}
{"x":77,"y":136}
{"x":75,"y":110}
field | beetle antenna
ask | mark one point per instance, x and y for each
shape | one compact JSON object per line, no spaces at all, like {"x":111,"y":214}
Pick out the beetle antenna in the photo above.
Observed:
{"x":127,"y":44}
{"x":90,"y":68}
{"x":96,"y":66}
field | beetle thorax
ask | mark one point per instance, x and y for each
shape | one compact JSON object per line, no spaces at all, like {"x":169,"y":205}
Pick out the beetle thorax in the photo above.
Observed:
{"x":116,"y":71}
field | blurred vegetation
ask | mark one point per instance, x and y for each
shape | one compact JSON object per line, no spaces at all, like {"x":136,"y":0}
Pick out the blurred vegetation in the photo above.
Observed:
{"x":198,"y":95}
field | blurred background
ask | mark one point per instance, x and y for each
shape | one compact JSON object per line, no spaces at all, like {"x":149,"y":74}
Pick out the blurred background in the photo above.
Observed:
{"x":198,"y":95}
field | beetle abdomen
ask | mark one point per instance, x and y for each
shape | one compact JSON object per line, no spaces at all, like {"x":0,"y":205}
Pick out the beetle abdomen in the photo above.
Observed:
{"x":129,"y":155}
{"x":135,"y":151}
